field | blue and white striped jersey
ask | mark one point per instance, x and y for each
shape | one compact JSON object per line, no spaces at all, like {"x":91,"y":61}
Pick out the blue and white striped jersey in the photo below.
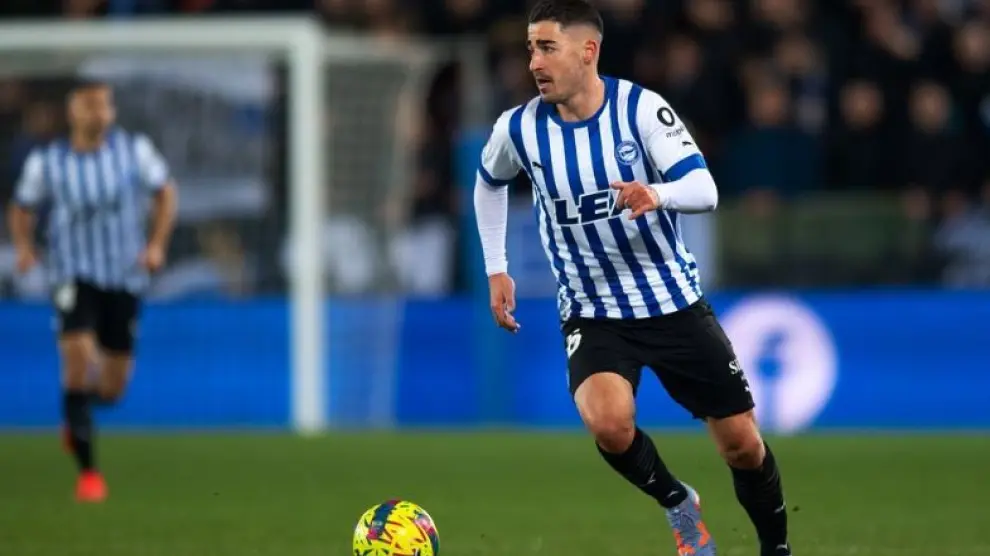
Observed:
{"x":98,"y":203}
{"x":606,"y":265}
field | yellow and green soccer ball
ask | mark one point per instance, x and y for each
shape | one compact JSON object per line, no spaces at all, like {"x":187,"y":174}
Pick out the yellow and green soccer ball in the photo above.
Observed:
{"x":396,"y":528}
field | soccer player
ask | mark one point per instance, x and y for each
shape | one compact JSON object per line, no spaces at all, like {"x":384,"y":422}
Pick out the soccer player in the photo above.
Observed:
{"x":97,"y":183}
{"x":613,"y":168}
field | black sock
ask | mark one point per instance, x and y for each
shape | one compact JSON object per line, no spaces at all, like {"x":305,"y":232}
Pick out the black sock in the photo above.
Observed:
{"x":75,"y":405}
{"x":760,"y":493}
{"x":641,"y":465}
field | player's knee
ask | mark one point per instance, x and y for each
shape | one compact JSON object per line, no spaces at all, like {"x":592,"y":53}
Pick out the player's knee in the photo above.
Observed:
{"x":613,"y":432}
{"x":77,"y":352}
{"x":606,"y":404}
{"x":110,"y":395}
{"x":743,"y":451}
{"x":114,"y":377}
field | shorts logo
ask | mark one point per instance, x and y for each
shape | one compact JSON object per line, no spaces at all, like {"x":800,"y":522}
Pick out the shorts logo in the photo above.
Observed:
{"x":790,"y":357}
{"x":627,"y":152}
{"x":735,"y":366}
{"x":65,"y":298}
{"x":573,"y":342}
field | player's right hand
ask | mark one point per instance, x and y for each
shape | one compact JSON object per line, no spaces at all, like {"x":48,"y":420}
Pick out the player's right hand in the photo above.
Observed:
{"x":26,"y":259}
{"x":503,"y":300}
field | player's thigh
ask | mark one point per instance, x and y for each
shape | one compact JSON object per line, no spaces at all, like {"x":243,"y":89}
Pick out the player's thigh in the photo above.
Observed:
{"x":697,"y":365}
{"x":602,"y":377}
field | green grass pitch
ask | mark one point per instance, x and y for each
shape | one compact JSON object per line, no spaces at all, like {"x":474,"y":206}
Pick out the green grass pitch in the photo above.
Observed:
{"x":492,"y":494}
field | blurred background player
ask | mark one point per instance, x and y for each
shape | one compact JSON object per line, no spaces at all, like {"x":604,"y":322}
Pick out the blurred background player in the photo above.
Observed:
{"x":95,"y":186}
{"x":629,"y":288}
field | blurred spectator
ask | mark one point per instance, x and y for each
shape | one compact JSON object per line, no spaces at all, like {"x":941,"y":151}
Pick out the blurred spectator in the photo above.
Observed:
{"x":770,"y":155}
{"x":963,"y":240}
{"x":859,"y":148}
{"x":798,"y":61}
{"x":971,"y":88}
{"x":705,"y":96}
{"x":935,"y":156}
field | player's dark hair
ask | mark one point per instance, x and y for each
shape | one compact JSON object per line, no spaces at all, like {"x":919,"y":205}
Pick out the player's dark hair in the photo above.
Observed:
{"x":86,"y":84}
{"x":567,"y":13}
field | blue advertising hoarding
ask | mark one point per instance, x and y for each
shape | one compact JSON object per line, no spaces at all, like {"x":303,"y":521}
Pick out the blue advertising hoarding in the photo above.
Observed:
{"x":869,"y":360}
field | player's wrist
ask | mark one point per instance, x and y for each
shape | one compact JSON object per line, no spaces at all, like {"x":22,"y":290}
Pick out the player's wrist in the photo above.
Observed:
{"x":495,"y":269}
{"x":25,"y":246}
{"x":656,"y":191}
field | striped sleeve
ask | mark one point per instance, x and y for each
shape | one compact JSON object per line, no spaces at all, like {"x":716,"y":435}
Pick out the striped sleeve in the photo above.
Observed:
{"x":499,"y":164}
{"x":666,"y":139}
{"x":152,"y":166}
{"x":32,"y":188}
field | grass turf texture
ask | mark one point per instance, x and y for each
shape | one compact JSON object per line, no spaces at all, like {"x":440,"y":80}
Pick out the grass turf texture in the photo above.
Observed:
{"x":492,"y":494}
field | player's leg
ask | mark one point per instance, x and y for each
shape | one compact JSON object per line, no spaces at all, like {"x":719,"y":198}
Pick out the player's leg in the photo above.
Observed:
{"x":700,"y":371}
{"x":756,"y":478}
{"x":605,"y":402}
{"x":77,"y":309}
{"x":603,"y":378}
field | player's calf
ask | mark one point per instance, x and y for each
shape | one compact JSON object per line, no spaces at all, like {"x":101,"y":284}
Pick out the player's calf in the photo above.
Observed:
{"x":607,"y":406}
{"x":756,"y":479}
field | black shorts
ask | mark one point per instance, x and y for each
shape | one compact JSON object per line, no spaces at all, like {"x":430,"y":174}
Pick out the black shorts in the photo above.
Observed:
{"x":687,"y":350}
{"x":110,"y":314}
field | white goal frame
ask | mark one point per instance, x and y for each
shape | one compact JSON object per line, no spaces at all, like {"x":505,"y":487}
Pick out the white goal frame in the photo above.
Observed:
{"x":303,"y":45}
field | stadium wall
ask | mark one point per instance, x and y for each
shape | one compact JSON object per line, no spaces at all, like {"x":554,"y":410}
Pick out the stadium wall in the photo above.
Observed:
{"x":876,"y":360}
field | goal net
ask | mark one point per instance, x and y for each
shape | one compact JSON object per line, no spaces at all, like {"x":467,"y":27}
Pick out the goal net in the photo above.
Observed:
{"x":295,"y":151}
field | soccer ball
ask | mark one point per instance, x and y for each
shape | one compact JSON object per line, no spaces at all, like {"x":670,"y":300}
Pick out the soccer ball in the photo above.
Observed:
{"x":396,"y":528}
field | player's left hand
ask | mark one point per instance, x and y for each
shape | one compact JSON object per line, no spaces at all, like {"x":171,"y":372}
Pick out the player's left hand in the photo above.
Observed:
{"x":153,"y":257}
{"x":639,"y":198}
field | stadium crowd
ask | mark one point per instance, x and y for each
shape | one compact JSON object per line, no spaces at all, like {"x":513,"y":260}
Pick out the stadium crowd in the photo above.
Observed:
{"x":869,"y":118}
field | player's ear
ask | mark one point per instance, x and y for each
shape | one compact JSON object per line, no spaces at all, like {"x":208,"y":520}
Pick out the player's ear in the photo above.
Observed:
{"x":590,"y":52}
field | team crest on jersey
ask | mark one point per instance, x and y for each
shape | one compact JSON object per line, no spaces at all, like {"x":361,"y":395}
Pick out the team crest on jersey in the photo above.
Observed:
{"x":627,"y":152}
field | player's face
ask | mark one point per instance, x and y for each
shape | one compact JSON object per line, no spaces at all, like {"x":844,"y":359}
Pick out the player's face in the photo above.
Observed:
{"x":557,"y":59}
{"x":91,"y":110}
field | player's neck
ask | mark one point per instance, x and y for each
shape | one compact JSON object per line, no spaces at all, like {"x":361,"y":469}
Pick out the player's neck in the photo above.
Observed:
{"x":585,"y":103}
{"x":86,"y":142}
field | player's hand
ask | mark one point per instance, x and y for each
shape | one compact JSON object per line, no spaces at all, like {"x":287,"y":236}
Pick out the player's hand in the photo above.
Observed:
{"x":503,"y":300}
{"x":153,"y":257}
{"x":639,"y":198}
{"x":26,"y":259}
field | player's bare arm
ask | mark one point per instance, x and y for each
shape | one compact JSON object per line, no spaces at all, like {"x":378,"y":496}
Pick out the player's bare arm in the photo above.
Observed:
{"x":29,"y":192}
{"x":21,"y":224}
{"x":163,"y":209}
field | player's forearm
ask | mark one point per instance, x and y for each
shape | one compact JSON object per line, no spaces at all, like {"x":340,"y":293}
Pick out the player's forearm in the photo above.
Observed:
{"x":696,"y":192}
{"x":163,"y":215}
{"x":491,"y":208}
{"x":21,"y":224}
